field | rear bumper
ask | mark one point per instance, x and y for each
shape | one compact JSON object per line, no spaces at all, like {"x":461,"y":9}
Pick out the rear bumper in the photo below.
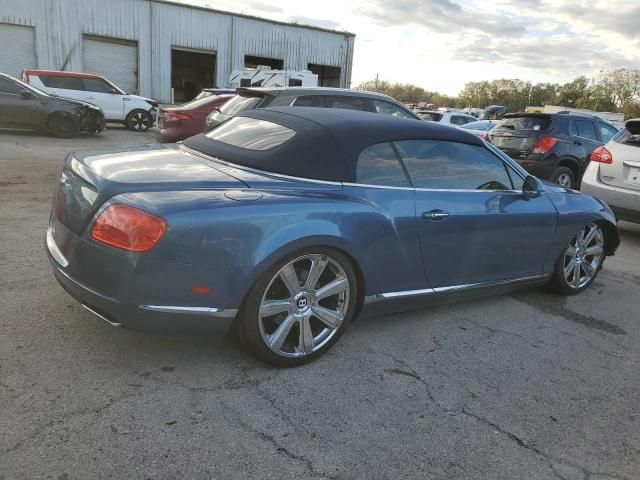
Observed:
{"x":157,"y":316}
{"x":624,"y":202}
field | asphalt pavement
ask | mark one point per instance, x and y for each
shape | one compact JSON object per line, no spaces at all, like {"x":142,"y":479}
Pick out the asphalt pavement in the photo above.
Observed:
{"x":527,"y":385}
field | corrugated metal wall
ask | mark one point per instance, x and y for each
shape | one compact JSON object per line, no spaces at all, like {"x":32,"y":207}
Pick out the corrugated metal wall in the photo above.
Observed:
{"x":157,"y":26}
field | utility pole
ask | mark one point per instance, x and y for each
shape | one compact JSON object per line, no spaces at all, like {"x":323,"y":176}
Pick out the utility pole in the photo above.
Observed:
{"x":376,"y":82}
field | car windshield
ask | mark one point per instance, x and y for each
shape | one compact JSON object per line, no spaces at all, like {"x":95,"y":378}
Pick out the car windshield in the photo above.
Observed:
{"x":537,"y":123}
{"x":240,"y":103}
{"x":198,"y":102}
{"x":482,"y":125}
{"x":30,"y":88}
{"x":430,"y":116}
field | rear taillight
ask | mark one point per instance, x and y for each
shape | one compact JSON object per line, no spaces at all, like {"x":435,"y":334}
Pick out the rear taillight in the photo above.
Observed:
{"x":128,"y":228}
{"x":601,"y":155}
{"x":544,"y":145}
{"x":171,"y":116}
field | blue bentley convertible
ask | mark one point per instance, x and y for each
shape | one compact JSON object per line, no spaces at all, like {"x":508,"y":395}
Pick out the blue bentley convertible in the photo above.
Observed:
{"x":289,"y":222}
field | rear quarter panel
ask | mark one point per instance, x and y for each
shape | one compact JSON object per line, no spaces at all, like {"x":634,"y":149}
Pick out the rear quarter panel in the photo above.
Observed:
{"x":231,"y":243}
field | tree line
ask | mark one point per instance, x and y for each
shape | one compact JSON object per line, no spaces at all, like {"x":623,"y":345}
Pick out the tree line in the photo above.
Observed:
{"x":611,"y":91}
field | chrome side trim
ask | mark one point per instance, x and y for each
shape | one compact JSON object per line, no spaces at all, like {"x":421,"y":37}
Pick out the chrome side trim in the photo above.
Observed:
{"x":212,"y":311}
{"x":401,"y":294}
{"x":454,"y":288}
{"x":101,"y":317}
{"x":55,"y":251}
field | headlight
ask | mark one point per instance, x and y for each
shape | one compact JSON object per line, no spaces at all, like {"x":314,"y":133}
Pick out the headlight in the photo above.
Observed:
{"x":152,"y":103}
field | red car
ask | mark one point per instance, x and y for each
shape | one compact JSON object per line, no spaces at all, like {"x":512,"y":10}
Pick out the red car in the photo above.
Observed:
{"x":184,"y":121}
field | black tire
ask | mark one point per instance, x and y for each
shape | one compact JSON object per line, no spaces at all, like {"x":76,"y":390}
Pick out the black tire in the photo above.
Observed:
{"x":564,"y":177}
{"x":248,"y":326}
{"x":64,"y":125}
{"x":560,"y":284}
{"x":139,"y":120}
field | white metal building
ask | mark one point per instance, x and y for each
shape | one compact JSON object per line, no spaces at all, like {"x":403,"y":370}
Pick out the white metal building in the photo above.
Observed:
{"x":153,"y":46}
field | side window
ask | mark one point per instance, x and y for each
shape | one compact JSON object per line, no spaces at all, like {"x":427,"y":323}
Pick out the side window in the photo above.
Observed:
{"x":307,"y":101}
{"x":7,"y":86}
{"x":379,"y":165}
{"x":347,"y":103}
{"x":66,"y":83}
{"x":516,"y":180}
{"x":390,"y":109}
{"x":442,"y":165}
{"x":458,"y":120}
{"x":96,"y":85}
{"x":606,"y":132}
{"x":586,"y":129}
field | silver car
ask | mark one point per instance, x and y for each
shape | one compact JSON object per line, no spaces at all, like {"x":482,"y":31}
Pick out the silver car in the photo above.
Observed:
{"x":613,"y":175}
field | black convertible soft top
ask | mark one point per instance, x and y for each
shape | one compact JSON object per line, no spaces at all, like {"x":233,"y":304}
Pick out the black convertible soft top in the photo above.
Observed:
{"x":328,"y":141}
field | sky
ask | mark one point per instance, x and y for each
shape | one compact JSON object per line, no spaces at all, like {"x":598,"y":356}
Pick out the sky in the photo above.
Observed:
{"x":442,"y":44}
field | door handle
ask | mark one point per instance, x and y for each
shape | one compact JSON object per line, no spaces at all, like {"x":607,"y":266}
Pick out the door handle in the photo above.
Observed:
{"x":435,"y":215}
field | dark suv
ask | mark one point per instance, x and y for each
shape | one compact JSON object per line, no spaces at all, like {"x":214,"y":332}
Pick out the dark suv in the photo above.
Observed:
{"x":552,"y":146}
{"x":250,"y":98}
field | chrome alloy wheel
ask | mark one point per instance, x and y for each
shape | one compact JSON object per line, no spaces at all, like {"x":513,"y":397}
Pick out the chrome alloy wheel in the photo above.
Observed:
{"x":564,"y":180}
{"x":304,"y":305}
{"x":583,"y":256}
{"x":139,"y":121}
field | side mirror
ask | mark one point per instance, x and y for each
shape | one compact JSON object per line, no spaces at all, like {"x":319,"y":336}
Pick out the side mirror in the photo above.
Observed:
{"x":532,"y":187}
{"x":26,"y":94}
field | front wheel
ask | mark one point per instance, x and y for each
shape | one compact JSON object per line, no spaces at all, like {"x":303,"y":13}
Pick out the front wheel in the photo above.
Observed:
{"x":139,"y":120}
{"x":580,"y":262}
{"x":299,"y":308}
{"x":63,"y":125}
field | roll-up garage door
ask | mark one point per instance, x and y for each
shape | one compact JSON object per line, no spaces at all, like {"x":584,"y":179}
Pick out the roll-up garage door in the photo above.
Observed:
{"x":113,"y":58}
{"x":18,"y":49}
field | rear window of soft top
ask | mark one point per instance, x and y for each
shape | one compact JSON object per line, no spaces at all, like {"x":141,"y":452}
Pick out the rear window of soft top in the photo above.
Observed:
{"x":251,"y":133}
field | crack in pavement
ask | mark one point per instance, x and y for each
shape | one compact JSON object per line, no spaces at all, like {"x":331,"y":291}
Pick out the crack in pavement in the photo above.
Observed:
{"x":279,"y":448}
{"x":550,"y":459}
{"x":65,"y":416}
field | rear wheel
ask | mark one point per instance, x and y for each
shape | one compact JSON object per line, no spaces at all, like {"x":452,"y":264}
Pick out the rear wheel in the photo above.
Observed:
{"x":299,"y":308}
{"x":564,"y":177}
{"x":580,"y":262}
{"x":139,"y":120}
{"x":63,"y":125}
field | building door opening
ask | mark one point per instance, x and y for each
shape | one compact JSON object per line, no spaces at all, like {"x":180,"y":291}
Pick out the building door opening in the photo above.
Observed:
{"x":251,"y":61}
{"x":327,"y":76}
{"x":191,"y":71}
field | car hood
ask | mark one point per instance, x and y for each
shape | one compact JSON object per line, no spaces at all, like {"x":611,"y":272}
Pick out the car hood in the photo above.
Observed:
{"x":143,"y":99}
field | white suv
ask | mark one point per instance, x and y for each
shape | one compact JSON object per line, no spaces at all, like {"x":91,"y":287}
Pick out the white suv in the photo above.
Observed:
{"x":613,"y":174}
{"x":454,"y":119}
{"x":137,"y":113}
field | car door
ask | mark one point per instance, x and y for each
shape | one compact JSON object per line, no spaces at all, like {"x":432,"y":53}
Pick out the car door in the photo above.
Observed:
{"x":16,"y":110}
{"x":100,"y":93}
{"x":389,"y":230}
{"x":475,"y":223}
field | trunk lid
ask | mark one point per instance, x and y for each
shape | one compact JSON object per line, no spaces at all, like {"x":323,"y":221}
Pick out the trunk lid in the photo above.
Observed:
{"x":90,"y":178}
{"x":624,"y":169}
{"x":517,"y":135}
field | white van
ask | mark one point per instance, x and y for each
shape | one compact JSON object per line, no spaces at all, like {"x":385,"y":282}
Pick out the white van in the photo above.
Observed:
{"x":137,"y":113}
